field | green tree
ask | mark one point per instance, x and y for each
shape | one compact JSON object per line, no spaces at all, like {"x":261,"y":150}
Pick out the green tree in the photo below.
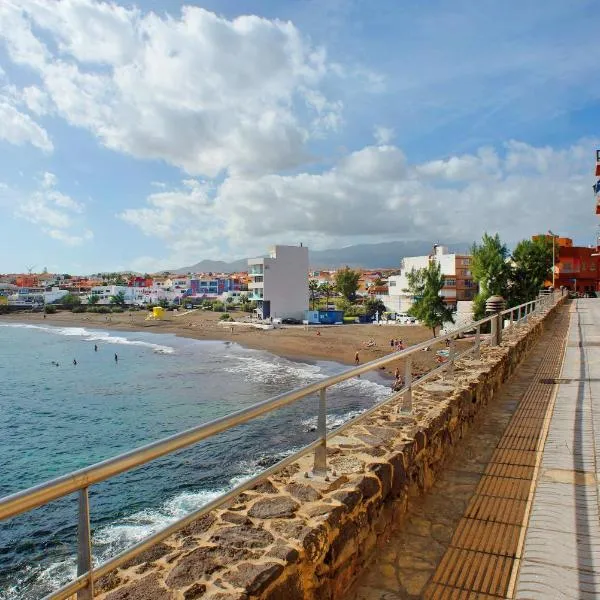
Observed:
{"x":93,"y":299}
{"x":532,"y":266}
{"x":491,"y":270}
{"x":374,"y":306}
{"x":69,"y":301}
{"x":118,"y":299}
{"x":163,"y":303}
{"x":428,"y":306}
{"x":326,"y":290}
{"x":346,"y":283}
{"x":313,"y":286}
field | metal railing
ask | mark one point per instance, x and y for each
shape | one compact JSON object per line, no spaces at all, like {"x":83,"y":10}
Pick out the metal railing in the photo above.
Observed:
{"x":81,"y":480}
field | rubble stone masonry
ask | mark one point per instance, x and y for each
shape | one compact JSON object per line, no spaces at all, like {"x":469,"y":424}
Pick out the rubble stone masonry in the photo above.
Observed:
{"x":297,"y":536}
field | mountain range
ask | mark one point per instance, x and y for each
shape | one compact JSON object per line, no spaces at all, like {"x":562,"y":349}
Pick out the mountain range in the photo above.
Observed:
{"x":386,"y":255}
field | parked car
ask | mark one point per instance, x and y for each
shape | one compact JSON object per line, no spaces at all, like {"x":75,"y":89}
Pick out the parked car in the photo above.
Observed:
{"x":405,"y":319}
{"x":290,"y":321}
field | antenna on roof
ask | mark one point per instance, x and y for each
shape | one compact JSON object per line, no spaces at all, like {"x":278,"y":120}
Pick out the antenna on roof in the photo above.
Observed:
{"x":30,"y":269}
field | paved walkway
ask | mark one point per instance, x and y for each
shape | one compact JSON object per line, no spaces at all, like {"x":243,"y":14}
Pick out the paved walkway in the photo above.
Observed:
{"x":561,"y":554}
{"x":464,"y":538}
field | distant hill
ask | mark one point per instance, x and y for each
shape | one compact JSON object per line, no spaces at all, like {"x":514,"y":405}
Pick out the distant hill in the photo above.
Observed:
{"x":386,"y":255}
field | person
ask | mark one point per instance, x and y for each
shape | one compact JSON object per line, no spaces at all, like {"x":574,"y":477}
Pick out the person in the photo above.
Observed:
{"x":392,"y":343}
{"x":116,"y":357}
{"x":74,"y":362}
{"x":318,"y":332}
{"x":397,"y":373}
{"x":356,"y":359}
{"x":447,"y":343}
{"x":44,"y":315}
{"x":95,"y":347}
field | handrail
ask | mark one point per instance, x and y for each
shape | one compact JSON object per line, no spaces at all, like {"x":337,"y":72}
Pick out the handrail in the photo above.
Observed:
{"x":80,"y":480}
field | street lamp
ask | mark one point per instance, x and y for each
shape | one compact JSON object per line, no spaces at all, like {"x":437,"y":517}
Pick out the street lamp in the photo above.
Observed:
{"x":553,"y":258}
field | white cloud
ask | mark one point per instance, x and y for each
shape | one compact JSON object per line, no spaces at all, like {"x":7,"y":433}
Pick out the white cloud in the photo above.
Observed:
{"x":374,"y":195}
{"x":383,"y":135}
{"x":19,"y":128}
{"x":36,"y":100}
{"x":199,"y":91}
{"x":57,"y":214}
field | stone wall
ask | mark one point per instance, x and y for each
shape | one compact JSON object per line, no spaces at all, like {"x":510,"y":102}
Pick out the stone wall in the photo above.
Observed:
{"x":297,"y":536}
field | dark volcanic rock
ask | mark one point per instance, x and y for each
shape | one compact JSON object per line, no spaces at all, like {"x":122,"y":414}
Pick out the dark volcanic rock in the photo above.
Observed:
{"x":305,"y":493}
{"x":157,"y":551}
{"x":274,"y":508}
{"x":254,"y":578}
{"x":242,"y":536}
{"x":146,"y":588}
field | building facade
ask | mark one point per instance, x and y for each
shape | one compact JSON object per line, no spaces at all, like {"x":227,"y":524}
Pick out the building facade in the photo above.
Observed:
{"x":279,"y":282}
{"x":576,"y":267}
{"x":456,"y":270}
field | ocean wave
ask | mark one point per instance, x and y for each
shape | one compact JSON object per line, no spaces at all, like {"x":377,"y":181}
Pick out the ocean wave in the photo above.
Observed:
{"x":91,"y":335}
{"x":273,"y":370}
{"x":332,"y":421}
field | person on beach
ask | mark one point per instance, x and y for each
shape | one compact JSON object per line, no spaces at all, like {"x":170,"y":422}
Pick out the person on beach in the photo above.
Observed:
{"x":356,"y":359}
{"x":392,"y":343}
{"x":397,"y":373}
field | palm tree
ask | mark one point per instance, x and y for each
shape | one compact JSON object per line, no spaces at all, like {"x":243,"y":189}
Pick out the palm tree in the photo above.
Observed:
{"x":326,"y":290}
{"x":313,"y":286}
{"x":118,"y":299}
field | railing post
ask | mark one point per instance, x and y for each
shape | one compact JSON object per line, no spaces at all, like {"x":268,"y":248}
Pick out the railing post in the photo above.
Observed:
{"x":407,"y":398}
{"x":500,"y":325}
{"x":511,"y":317}
{"x":450,"y":369}
{"x":526,"y":311}
{"x":478,"y":342}
{"x":494,"y":333}
{"x":84,"y":546}
{"x":320,"y":466}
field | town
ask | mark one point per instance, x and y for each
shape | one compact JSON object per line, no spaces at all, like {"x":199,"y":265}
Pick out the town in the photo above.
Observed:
{"x":281,"y":287}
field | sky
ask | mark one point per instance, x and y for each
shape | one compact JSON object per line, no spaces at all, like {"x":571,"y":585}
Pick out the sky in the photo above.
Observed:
{"x":152,"y":135}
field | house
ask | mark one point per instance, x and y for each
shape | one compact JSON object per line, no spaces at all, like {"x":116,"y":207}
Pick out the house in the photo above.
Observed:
{"x":279,"y":282}
{"x":456,"y":270}
{"x":576,"y":267}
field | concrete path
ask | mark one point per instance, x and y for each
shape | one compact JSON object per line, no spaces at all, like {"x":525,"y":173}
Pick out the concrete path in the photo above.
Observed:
{"x":463,"y":538}
{"x":561,"y":553}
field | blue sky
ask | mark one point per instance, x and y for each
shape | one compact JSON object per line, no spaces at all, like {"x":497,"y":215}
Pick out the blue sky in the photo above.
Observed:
{"x":133,"y":137}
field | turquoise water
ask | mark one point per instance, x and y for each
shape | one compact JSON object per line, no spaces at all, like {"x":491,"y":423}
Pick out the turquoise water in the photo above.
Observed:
{"x":54,"y":419}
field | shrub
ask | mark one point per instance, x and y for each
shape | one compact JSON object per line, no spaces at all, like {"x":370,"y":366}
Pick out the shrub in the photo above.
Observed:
{"x":350,"y":319}
{"x":218,"y":306}
{"x":4,"y":309}
{"x":117,"y":309}
{"x":225,"y":317}
{"x":79,"y":309}
{"x":103,"y":310}
{"x":49,"y":309}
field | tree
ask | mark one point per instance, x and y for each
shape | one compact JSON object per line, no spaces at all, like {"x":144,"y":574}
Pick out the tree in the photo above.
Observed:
{"x":374,"y":306}
{"x":326,"y":289}
{"x":93,"y":299}
{"x":490,"y":269}
{"x":428,"y":307}
{"x":69,"y":301}
{"x":532,"y":266}
{"x":313,"y":286}
{"x":118,"y":299}
{"x":346,"y":283}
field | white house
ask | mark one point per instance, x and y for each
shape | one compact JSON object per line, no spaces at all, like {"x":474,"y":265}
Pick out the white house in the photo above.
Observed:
{"x":458,"y":280}
{"x":279,"y":282}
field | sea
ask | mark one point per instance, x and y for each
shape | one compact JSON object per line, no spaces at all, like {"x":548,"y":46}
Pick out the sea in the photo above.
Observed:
{"x":57,"y":416}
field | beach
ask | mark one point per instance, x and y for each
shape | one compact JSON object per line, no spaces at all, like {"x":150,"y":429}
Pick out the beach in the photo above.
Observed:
{"x":335,"y":343}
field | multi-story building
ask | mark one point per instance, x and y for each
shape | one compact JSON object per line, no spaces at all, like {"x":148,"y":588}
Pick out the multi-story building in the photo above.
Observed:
{"x":576,"y":267}
{"x":279,"y":282}
{"x":456,"y":270}
{"x":213,"y":286}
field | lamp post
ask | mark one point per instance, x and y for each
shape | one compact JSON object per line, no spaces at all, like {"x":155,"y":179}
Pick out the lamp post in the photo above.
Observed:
{"x":553,"y":256}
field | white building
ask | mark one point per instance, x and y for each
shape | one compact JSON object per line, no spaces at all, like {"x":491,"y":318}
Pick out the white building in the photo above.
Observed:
{"x":458,"y":281}
{"x":279,"y":282}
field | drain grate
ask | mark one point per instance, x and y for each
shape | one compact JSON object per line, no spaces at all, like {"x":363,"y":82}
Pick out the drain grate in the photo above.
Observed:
{"x":584,"y":344}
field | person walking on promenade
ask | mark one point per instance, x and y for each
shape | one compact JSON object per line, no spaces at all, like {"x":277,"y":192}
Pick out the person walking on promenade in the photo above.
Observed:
{"x":356,"y":359}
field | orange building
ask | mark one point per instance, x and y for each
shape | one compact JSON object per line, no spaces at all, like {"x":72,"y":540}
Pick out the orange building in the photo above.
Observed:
{"x":576,"y":267}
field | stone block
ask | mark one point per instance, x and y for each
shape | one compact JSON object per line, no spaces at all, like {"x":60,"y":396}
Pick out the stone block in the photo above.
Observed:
{"x":274,"y":508}
{"x":254,"y":578}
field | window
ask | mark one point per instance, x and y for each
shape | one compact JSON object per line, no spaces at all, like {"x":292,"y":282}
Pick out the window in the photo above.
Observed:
{"x":391,"y":284}
{"x":258,"y":279}
{"x":449,"y":282}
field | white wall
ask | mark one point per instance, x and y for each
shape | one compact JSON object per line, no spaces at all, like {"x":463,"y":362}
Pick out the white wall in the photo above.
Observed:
{"x":285,"y":283}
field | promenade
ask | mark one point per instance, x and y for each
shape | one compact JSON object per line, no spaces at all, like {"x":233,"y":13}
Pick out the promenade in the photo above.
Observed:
{"x":515,"y":512}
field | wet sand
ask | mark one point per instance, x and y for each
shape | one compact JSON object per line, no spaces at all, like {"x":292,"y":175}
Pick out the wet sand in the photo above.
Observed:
{"x":336,"y":343}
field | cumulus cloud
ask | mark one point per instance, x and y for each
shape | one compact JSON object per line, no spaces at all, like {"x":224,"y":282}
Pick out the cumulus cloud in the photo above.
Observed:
{"x":383,"y":135}
{"x":200,"y":91}
{"x":374,"y":195}
{"x":57,"y":214}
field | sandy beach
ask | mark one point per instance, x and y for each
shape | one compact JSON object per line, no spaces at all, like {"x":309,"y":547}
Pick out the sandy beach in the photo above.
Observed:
{"x":336,"y":343}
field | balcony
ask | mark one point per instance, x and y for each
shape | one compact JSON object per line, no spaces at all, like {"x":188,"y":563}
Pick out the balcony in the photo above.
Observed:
{"x":255,"y":270}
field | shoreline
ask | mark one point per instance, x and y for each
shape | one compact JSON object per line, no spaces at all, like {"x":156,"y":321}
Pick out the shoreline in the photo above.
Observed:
{"x":337,"y":344}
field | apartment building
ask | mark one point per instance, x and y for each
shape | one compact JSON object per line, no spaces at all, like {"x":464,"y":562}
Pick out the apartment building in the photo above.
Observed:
{"x":456,"y":270}
{"x":279,"y":282}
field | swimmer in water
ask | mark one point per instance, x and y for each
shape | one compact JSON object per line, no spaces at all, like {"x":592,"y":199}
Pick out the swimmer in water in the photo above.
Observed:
{"x":95,"y":347}
{"x":116,"y":357}
{"x":74,"y":363}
